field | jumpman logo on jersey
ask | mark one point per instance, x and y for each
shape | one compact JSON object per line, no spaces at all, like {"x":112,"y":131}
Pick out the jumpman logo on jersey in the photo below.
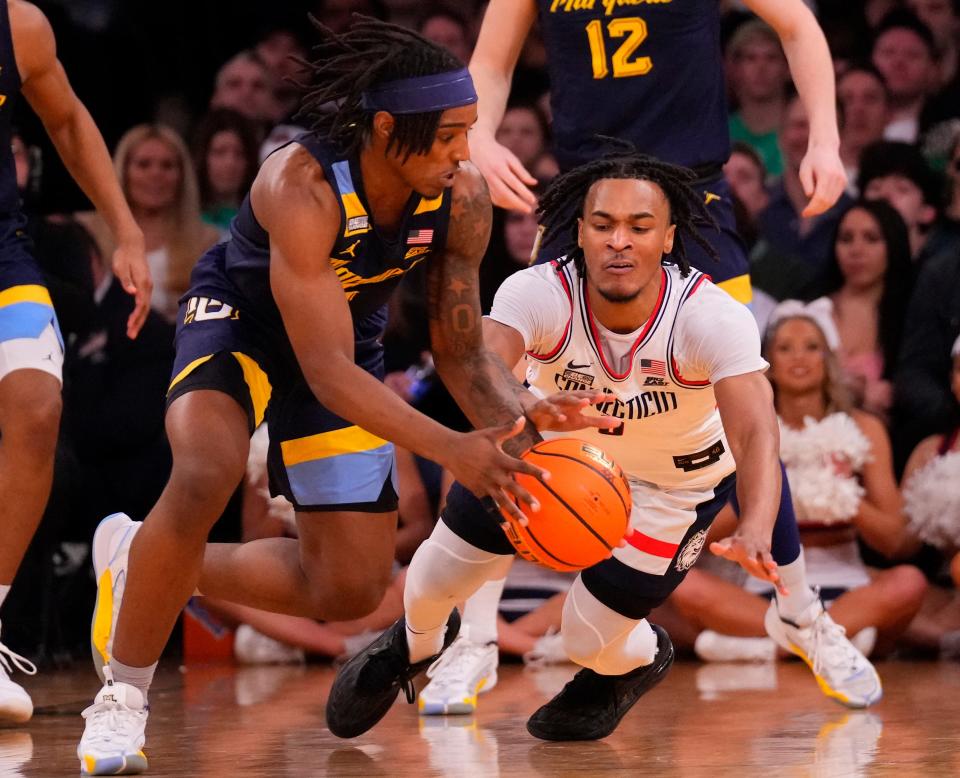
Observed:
{"x":351,"y":249}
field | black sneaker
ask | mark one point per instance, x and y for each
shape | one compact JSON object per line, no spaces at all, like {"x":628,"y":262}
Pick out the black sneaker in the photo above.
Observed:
{"x":591,"y":705}
{"x":367,"y":685}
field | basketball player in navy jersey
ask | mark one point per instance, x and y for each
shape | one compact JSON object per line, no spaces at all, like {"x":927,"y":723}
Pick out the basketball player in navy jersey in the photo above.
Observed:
{"x":284,"y":322}
{"x":650,"y":73}
{"x":614,"y":307}
{"x":31,"y":347}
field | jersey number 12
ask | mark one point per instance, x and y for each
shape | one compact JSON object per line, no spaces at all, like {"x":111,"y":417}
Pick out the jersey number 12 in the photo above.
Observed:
{"x":635,"y":30}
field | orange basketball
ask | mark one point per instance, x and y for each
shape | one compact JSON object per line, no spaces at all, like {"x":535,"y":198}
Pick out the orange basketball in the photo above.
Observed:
{"x":584,"y":507}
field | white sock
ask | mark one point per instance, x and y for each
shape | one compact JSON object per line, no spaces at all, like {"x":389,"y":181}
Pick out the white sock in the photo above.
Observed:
{"x":4,"y":591}
{"x":794,"y":577}
{"x":445,"y":570}
{"x":480,"y":612}
{"x":140,"y":677}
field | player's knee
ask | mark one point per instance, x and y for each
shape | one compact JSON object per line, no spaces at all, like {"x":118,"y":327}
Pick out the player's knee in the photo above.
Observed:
{"x":206,"y":484}
{"x":347,"y":596}
{"x":346,"y":604}
{"x":35,"y":425}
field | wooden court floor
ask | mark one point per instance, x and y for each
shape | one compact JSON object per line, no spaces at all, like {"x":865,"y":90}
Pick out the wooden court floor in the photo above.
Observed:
{"x":713,"y":720}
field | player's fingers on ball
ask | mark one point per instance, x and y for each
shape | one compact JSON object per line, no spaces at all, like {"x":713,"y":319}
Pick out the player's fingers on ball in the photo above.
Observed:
{"x":522,"y":466}
{"x":512,"y":487}
{"x":511,"y":507}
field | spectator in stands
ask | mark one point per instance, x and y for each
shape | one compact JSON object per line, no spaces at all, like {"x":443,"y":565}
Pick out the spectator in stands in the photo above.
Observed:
{"x":759,"y":79}
{"x":951,"y":212}
{"x":523,"y":130}
{"x":931,"y":489}
{"x":745,"y":173}
{"x":225,"y":152}
{"x":796,"y":248}
{"x":447,"y":28}
{"x":158,"y":179}
{"x":839,"y":464}
{"x":923,"y":404}
{"x":863,"y":99}
{"x":869,"y":280}
{"x":905,"y":53}
{"x":244,"y":84}
{"x":943,"y":20}
{"x":898,"y":173}
{"x":277,"y":50}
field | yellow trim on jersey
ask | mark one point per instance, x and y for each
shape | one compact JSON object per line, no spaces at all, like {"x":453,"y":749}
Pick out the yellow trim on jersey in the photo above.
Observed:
{"x":738,"y":288}
{"x":349,"y":279}
{"x":188,"y":370}
{"x":257,"y":383}
{"x":25,"y":293}
{"x":352,"y":209}
{"x":428,"y":205}
{"x":350,"y":440}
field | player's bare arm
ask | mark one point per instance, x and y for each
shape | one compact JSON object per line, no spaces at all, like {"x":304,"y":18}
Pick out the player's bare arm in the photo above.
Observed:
{"x":821,"y":172}
{"x":502,"y":34}
{"x":296,"y":206}
{"x":746,"y":408}
{"x":561,"y":411}
{"x":81,"y":147}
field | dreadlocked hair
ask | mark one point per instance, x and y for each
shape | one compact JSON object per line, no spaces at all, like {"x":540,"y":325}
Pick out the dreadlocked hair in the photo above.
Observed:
{"x":564,"y":200}
{"x":369,"y":53}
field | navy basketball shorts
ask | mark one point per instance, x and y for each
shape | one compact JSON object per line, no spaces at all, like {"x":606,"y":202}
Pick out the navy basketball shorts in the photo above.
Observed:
{"x":730,"y":270}
{"x":670,"y":530}
{"x":30,"y":336}
{"x":316,"y":459}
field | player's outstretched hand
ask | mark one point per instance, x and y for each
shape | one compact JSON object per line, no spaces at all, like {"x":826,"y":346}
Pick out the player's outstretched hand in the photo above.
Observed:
{"x":823,"y":178}
{"x":481,"y":465}
{"x":508,"y":179}
{"x":564,"y":412}
{"x":752,"y":554}
{"x":130,"y":267}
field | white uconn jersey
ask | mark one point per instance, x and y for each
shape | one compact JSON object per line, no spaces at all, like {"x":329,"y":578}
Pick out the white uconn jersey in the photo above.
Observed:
{"x":661,"y":387}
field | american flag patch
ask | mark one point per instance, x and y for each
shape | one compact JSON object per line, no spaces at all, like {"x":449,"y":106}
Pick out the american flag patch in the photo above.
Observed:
{"x":653,"y":367}
{"x":419,"y":237}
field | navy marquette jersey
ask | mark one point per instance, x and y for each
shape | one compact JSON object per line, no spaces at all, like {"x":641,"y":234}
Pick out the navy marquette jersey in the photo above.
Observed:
{"x":231,"y":338}
{"x":25,"y":306}
{"x":368,"y":263}
{"x":647,"y":71}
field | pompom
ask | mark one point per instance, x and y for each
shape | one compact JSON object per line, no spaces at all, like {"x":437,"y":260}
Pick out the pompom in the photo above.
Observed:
{"x":817,"y":458}
{"x":931,"y":502}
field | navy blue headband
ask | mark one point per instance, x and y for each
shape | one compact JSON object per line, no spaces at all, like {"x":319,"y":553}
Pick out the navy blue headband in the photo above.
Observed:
{"x":423,"y":94}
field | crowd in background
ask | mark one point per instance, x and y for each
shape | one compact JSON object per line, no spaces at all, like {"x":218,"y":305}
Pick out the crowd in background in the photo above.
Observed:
{"x":883,"y":265}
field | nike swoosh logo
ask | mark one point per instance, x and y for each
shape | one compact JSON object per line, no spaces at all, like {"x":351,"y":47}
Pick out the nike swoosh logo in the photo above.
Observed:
{"x":571,"y":366}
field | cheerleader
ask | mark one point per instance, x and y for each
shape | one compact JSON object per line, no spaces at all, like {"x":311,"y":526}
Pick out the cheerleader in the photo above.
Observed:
{"x":931,"y":494}
{"x":839,"y":463}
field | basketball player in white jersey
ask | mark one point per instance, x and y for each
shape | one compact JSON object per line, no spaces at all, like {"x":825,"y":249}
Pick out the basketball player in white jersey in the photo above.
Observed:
{"x":681,"y":362}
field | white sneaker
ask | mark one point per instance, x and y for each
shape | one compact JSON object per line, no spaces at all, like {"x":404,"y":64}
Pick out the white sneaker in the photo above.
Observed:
{"x":112,"y":742}
{"x":16,"y":706}
{"x":842,"y":672}
{"x":713,"y":646}
{"x":111,"y":548}
{"x":251,"y":647}
{"x":458,"y":676}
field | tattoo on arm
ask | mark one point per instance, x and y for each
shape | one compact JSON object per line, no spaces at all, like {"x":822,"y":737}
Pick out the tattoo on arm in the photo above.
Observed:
{"x":479,"y":381}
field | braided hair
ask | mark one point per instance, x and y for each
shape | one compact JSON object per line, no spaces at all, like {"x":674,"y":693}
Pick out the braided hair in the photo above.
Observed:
{"x":369,"y":53}
{"x":565,"y":198}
